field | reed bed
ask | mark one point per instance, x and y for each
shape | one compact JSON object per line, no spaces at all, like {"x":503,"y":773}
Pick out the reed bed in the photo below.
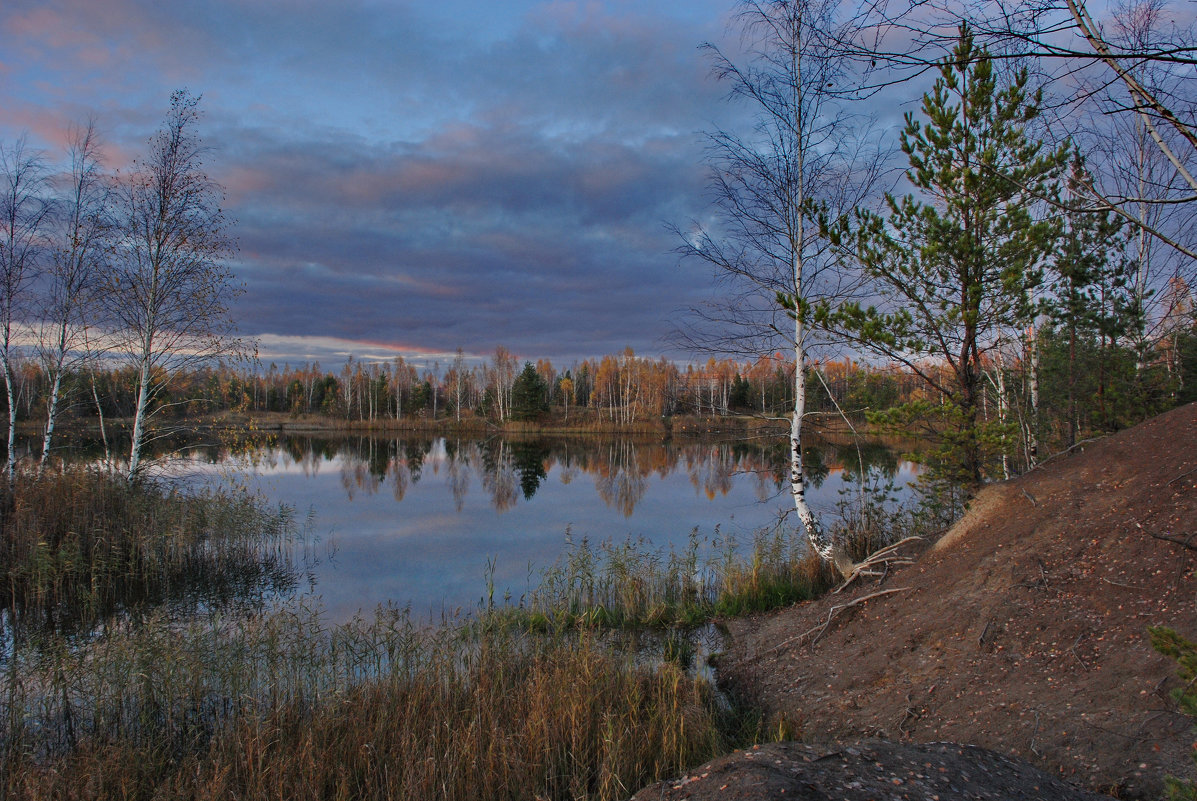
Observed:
{"x":279,"y":706}
{"x":78,"y":544}
{"x":631,"y":585}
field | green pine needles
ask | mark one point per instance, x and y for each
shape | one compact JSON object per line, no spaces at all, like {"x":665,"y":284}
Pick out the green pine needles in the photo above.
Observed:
{"x":952,"y":269}
{"x":1169,"y":643}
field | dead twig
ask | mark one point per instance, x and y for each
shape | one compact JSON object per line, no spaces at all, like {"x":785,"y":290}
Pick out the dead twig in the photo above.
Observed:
{"x":1030,"y":498}
{"x":1041,"y":584}
{"x":908,"y":714}
{"x":984,"y":633}
{"x":1182,"y":475}
{"x":1078,"y":656}
{"x":883,"y":558}
{"x":835,"y":610}
{"x":1127,"y":586}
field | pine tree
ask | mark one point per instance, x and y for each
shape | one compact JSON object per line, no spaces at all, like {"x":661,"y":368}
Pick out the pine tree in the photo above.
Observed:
{"x":528,"y":395}
{"x":954,"y":268}
{"x":1092,"y":304}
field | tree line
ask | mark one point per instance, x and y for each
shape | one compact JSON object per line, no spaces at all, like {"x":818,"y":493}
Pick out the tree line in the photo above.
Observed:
{"x":1086,"y":387}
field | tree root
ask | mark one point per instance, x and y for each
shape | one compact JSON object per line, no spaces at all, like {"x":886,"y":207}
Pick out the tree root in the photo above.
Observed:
{"x":879,"y":562}
{"x":835,"y":610}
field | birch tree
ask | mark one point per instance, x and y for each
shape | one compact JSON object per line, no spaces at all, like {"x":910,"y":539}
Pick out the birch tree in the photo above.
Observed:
{"x":171,"y":283}
{"x":25,"y":209}
{"x":801,"y":152}
{"x":74,"y":271}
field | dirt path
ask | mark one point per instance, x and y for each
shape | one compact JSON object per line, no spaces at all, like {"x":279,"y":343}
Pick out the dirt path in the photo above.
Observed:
{"x":1022,"y":631}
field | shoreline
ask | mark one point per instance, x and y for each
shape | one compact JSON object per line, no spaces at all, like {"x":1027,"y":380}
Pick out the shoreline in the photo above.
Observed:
{"x":280,"y":423}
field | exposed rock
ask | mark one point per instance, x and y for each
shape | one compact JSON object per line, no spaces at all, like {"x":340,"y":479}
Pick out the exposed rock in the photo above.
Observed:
{"x":867,"y":771}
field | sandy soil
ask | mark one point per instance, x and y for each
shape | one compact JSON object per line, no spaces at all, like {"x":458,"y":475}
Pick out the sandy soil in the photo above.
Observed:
{"x":1024,"y":630}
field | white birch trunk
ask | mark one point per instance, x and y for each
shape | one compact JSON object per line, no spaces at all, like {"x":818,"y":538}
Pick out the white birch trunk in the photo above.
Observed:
{"x":51,"y":415}
{"x":143,"y":397}
{"x":827,"y":550}
{"x":100,"y":411}
{"x":12,"y":418}
{"x":1001,"y":404}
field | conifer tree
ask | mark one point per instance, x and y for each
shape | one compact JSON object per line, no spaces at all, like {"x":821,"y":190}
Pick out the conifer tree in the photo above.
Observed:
{"x":952,"y":269}
{"x":1092,"y":291}
{"x":528,"y":395}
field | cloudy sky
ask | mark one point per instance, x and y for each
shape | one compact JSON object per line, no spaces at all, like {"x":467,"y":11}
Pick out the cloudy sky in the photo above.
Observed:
{"x":408,"y":176}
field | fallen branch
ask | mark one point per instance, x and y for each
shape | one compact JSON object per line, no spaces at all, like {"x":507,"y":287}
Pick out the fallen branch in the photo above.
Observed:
{"x":835,"y":610}
{"x":883,"y":558}
{"x":1182,"y":475}
{"x":1187,"y":542}
{"x":1069,"y":449}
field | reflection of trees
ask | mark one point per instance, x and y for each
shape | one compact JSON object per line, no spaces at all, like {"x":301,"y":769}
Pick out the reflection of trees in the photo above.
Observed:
{"x":359,"y":470}
{"x":498,"y":473}
{"x":515,"y":466}
{"x":400,"y":476}
{"x":711,"y":468}
{"x":873,"y":457}
{"x":621,"y":481}
{"x":567,"y":473}
{"x":458,"y":472}
{"x":816,"y":465}
{"x":528,"y":458}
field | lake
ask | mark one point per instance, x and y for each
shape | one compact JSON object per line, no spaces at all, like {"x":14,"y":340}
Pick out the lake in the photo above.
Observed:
{"x":423,"y":521}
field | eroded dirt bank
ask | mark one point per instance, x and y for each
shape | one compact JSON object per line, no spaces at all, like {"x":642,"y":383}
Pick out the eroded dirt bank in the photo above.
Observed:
{"x":1024,"y":630}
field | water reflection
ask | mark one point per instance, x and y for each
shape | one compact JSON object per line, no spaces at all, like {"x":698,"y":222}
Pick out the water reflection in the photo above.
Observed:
{"x":418,"y":519}
{"x":511,"y":470}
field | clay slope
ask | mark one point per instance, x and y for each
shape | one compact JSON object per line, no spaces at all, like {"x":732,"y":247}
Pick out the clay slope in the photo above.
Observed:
{"x":1022,"y":631}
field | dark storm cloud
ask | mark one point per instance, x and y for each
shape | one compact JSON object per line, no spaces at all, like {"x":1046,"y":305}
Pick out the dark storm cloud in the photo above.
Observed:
{"x":426,"y":179}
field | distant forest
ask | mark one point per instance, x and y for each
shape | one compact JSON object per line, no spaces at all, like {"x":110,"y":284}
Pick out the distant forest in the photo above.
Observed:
{"x":1085,"y":387}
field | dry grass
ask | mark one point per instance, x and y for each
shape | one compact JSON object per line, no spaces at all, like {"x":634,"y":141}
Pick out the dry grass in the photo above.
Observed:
{"x":79,"y":545}
{"x":135,"y":701}
{"x":280,"y":707}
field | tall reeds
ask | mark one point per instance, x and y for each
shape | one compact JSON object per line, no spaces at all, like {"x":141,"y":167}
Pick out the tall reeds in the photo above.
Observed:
{"x":631,"y":585}
{"x":78,"y":544}
{"x":278,"y":706}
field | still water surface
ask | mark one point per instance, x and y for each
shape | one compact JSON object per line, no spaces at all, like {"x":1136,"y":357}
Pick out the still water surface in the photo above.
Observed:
{"x":416,"y":520}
